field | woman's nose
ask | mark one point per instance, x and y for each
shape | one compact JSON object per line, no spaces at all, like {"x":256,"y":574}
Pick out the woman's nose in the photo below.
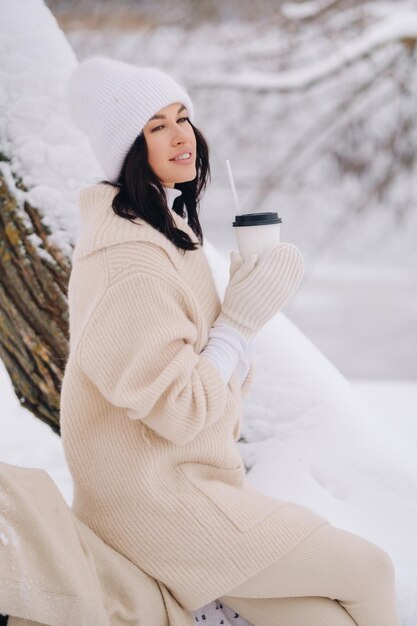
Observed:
{"x":179,"y":136}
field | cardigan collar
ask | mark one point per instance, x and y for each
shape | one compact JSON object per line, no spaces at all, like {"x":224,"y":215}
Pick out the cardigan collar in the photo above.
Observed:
{"x":101,"y":227}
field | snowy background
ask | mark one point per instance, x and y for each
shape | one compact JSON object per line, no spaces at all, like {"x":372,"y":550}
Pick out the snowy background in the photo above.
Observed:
{"x":336,"y":156}
{"x":316,"y":110}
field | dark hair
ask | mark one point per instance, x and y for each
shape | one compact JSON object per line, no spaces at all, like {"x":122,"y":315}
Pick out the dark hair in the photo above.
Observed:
{"x":141,"y":193}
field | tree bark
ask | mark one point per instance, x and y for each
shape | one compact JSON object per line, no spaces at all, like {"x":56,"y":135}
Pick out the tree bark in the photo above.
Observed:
{"x":33,"y":307}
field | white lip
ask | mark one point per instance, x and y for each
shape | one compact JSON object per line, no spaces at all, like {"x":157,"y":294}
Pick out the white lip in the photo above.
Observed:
{"x":178,"y":160}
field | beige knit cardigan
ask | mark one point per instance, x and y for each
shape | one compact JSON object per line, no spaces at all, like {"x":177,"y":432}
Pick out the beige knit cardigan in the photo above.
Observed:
{"x":148,"y":425}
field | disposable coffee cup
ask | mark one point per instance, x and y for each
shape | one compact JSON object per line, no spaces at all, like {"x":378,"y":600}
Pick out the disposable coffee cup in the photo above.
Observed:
{"x":255,"y":232}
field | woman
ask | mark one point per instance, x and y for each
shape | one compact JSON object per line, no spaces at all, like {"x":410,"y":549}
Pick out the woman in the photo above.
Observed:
{"x":151,"y":398}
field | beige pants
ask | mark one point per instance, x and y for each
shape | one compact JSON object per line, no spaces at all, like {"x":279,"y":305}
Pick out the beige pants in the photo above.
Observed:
{"x":332,"y":578}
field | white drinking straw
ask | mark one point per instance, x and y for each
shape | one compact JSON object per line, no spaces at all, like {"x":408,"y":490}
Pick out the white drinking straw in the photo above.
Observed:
{"x":232,"y":184}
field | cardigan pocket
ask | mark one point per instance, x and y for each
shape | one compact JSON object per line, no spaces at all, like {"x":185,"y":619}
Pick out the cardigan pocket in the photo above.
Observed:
{"x":231,"y":493}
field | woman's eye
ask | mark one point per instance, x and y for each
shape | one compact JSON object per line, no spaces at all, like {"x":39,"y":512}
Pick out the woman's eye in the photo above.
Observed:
{"x":181,"y":119}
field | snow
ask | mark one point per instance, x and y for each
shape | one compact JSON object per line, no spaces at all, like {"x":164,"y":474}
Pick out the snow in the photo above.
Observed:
{"x":48,"y":154}
{"x":303,"y":10}
{"x":8,"y":534}
{"x":345,"y":449}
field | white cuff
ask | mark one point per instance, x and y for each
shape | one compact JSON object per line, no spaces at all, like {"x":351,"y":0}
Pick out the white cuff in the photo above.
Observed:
{"x":225,"y":347}
{"x":243,"y":366}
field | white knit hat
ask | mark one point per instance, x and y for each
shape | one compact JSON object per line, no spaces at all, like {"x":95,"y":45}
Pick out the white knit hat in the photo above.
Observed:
{"x":111,"y":102}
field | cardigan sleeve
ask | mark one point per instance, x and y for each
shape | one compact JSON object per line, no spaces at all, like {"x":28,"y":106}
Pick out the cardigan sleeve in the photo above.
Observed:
{"x":138,"y":349}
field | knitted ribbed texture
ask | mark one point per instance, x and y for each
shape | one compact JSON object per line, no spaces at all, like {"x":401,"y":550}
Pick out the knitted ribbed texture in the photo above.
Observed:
{"x":148,"y":425}
{"x":306,"y":611}
{"x":353,"y":578}
{"x":259,"y":288}
{"x":111,"y":101}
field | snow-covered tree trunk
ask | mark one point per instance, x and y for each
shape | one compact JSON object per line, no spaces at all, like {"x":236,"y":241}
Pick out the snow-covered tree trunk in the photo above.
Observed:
{"x":33,"y":307}
{"x":42,"y":162}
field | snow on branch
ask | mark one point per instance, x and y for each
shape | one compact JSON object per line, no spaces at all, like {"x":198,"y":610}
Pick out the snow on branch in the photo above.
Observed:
{"x":396,"y":28}
{"x":306,"y":10}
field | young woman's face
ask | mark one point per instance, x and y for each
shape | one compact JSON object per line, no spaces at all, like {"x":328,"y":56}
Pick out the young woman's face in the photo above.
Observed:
{"x":171,"y":145}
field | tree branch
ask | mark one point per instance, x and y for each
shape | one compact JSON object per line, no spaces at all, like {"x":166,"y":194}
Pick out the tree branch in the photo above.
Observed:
{"x":397,"y":28}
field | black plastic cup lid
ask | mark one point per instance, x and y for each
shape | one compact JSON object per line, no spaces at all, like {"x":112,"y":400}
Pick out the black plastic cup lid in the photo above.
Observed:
{"x":257,"y":219}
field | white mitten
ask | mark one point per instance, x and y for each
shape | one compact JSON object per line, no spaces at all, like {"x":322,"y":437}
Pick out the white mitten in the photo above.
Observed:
{"x":259,"y":288}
